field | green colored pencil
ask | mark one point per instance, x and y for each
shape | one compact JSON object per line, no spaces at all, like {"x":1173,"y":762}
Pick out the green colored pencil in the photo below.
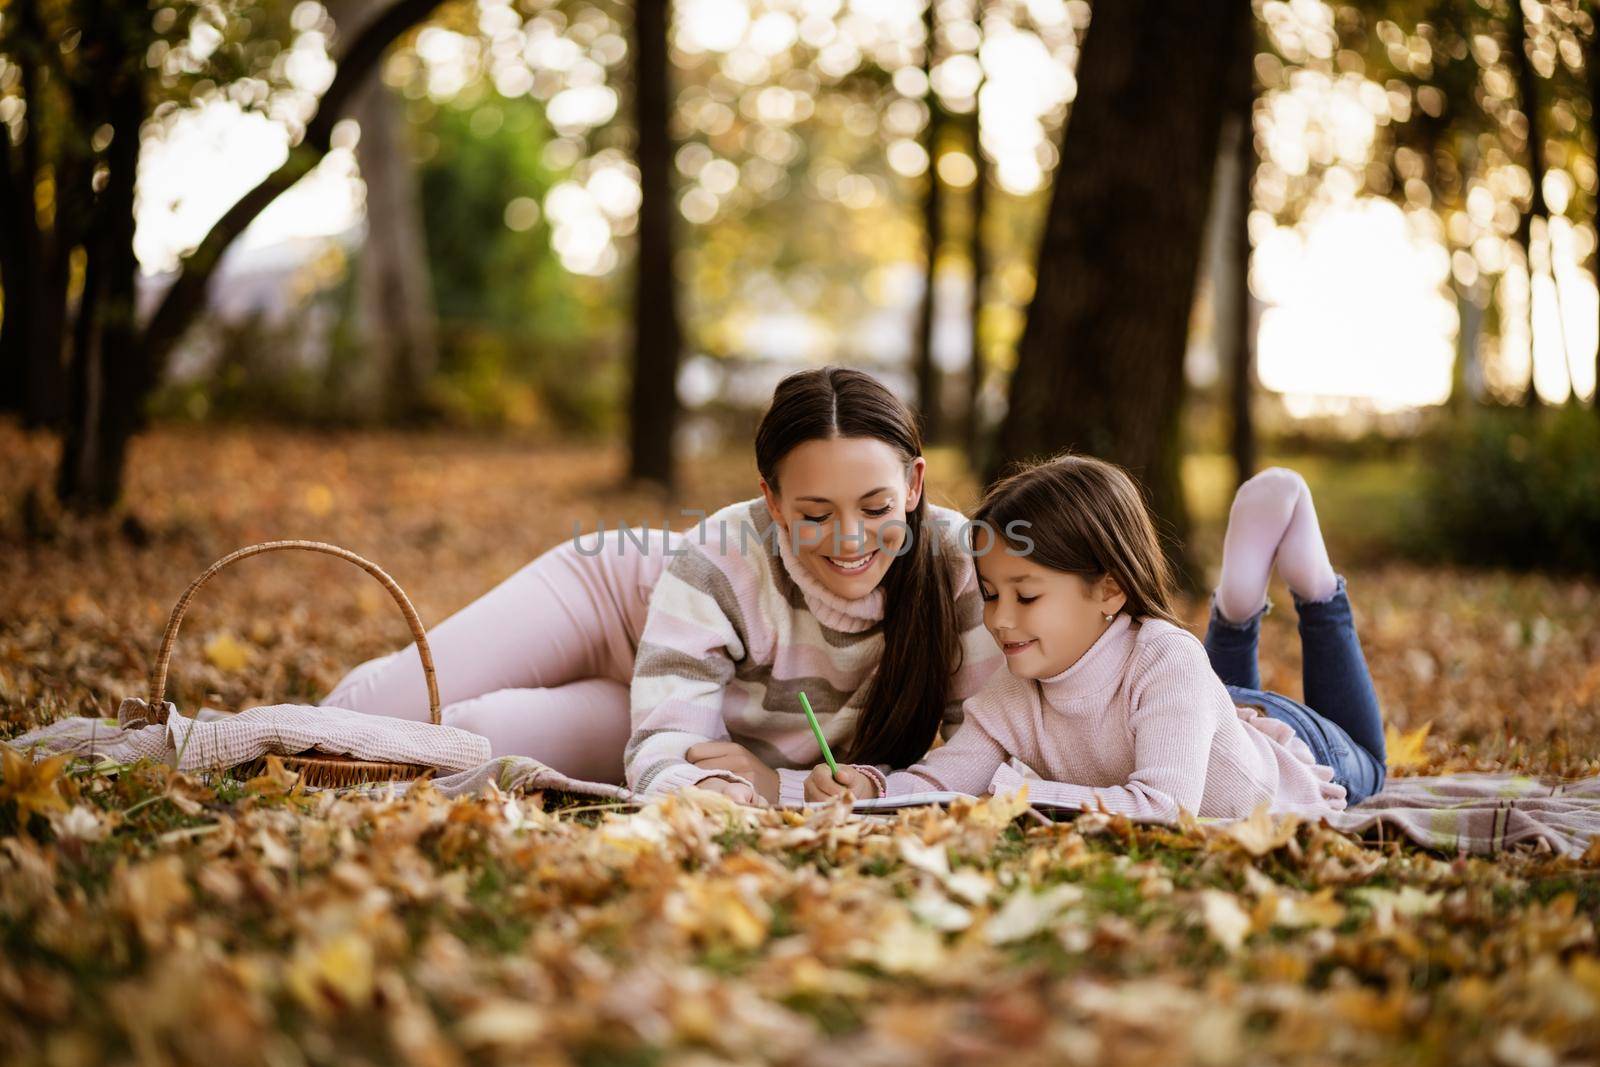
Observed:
{"x":811,"y":717}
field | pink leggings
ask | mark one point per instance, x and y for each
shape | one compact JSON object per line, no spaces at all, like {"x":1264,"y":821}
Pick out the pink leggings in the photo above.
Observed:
{"x":541,"y":663}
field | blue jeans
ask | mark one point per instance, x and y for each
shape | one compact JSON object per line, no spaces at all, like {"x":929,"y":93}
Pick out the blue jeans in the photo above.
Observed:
{"x":1345,"y":731}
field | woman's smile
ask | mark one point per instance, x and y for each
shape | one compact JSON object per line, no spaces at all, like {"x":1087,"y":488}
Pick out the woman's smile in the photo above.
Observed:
{"x":852,"y":564}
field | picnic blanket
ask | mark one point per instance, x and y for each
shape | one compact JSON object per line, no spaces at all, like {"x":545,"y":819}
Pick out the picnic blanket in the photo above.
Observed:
{"x":1455,"y":813}
{"x":1482,"y":813}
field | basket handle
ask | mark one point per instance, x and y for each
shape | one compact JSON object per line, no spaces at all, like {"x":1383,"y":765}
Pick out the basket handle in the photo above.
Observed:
{"x":158,"y":678}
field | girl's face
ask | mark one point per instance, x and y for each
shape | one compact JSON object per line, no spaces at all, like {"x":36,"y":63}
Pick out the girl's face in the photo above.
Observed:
{"x":1043,"y":620}
{"x":843,"y":506}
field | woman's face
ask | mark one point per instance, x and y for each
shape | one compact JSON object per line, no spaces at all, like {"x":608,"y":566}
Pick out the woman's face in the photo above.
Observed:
{"x":1044,"y":620}
{"x":843,"y":505}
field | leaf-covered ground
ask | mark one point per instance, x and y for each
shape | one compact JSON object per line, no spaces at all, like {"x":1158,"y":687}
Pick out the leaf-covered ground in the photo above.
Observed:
{"x":146,"y":917}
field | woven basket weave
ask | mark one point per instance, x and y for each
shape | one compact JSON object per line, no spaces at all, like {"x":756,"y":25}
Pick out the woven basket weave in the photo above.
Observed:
{"x":315,"y":768}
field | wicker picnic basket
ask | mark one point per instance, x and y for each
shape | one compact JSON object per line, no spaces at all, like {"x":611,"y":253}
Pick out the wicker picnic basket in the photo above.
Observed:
{"x":315,"y":768}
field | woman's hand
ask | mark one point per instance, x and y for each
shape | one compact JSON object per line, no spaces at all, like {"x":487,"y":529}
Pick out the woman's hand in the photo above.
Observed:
{"x":739,"y":791}
{"x":727,"y":756}
{"x":823,"y":784}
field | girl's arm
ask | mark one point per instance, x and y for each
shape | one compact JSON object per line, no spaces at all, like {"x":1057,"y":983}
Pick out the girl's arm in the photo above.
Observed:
{"x":1173,"y":721}
{"x":687,"y":654}
{"x":964,"y":764}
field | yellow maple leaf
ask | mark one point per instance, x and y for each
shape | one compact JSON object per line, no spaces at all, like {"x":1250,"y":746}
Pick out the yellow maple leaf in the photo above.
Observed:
{"x":341,"y":967}
{"x":1225,"y":920}
{"x":318,"y":499}
{"x":1591,"y":855}
{"x":1260,"y":834}
{"x":275,"y":780}
{"x":1026,"y":912}
{"x":226,"y":653}
{"x":1405,"y":749}
{"x":1320,"y":909}
{"x":1000,"y":811}
{"x":32,"y":787}
{"x":503,"y":1022}
{"x":807,"y":974}
{"x":904,"y":946}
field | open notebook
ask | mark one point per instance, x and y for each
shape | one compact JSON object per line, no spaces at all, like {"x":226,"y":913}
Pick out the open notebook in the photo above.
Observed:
{"x":914,"y":800}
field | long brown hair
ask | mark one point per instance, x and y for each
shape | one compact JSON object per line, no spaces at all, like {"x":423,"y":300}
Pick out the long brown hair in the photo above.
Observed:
{"x":921,"y":643}
{"x":1084,"y":516}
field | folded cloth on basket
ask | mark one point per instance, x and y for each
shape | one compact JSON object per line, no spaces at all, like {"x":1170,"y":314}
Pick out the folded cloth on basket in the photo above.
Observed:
{"x":285,"y":729}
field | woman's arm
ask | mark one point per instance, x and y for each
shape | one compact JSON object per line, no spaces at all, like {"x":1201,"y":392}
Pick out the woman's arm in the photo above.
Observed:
{"x":687,"y":654}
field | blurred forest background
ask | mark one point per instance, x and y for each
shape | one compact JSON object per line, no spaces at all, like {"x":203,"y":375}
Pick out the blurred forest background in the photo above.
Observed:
{"x":1191,"y":237}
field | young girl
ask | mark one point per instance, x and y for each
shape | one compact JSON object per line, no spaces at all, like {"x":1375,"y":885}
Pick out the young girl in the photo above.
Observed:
{"x":1109,"y":699}
{"x":679,"y":662}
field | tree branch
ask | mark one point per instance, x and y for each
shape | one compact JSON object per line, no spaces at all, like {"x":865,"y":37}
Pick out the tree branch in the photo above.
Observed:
{"x":184,"y":300}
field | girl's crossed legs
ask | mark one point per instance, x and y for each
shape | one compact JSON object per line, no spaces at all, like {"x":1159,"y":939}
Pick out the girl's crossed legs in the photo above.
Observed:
{"x":1273,"y":520}
{"x":540,"y":664}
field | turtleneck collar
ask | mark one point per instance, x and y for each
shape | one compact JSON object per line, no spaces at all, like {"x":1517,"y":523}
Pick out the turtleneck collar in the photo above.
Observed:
{"x":1097,"y":670}
{"x":832,"y":610}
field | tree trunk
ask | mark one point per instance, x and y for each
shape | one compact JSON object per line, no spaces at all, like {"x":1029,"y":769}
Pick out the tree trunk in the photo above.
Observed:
{"x":1241,"y":316}
{"x":394,"y":299}
{"x":976,"y":444}
{"x":1100,"y":363}
{"x":657,"y":334}
{"x":115,"y":365}
{"x":108,"y":378}
{"x":1528,"y":100}
{"x":186,"y":298}
{"x":1466,"y":373}
{"x":1466,"y":379}
{"x":49,"y":286}
{"x":927,"y":371}
{"x":33,"y":266}
{"x":16,"y":317}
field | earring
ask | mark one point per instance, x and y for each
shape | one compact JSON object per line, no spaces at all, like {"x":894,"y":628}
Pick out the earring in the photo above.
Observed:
{"x":1110,"y":616}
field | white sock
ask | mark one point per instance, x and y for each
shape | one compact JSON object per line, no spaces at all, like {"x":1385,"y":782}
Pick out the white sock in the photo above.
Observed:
{"x":1260,"y":516}
{"x":1302,"y":555}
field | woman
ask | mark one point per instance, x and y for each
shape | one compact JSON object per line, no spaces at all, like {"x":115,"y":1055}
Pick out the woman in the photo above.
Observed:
{"x":681,"y":662}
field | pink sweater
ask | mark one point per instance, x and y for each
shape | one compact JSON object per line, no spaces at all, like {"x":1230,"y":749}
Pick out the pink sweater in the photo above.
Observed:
{"x":737,"y":627}
{"x":1140,"y":722}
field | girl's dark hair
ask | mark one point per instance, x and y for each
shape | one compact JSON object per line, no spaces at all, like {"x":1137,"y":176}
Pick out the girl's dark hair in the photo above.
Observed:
{"x":1086,"y":517}
{"x":921,"y":643}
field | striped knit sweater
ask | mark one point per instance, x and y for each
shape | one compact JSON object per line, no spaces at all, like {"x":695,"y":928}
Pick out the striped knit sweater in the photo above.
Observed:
{"x":1140,"y":723}
{"x":737,"y":628}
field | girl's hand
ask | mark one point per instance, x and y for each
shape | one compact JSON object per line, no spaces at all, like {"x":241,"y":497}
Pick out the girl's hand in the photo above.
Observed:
{"x":822,"y":784}
{"x":727,"y":756}
{"x":739,"y":791}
